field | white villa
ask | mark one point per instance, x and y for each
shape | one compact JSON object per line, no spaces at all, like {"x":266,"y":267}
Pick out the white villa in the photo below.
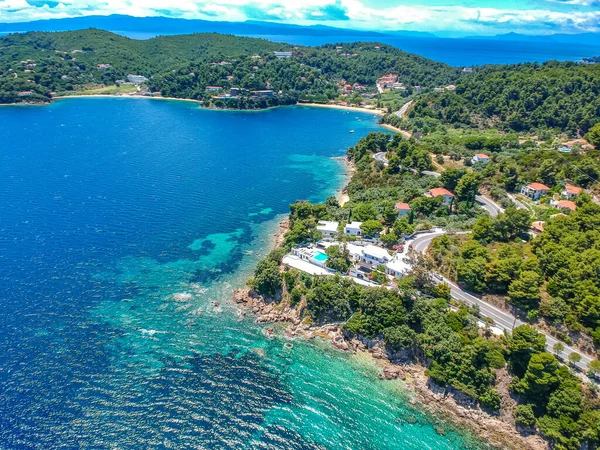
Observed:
{"x":398,"y":266}
{"x":375,"y":255}
{"x":312,"y":255}
{"x":534,"y":190}
{"x":353,"y":228}
{"x":312,"y":260}
{"x":327,"y":228}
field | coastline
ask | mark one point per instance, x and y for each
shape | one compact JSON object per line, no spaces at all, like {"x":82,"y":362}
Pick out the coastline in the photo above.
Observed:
{"x":375,"y":111}
{"x":406,"y":134}
{"x":378,"y":112}
{"x":342,"y":193}
{"x":442,"y":404}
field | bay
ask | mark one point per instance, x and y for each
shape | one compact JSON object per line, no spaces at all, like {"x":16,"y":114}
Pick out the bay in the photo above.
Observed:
{"x":124,"y":226}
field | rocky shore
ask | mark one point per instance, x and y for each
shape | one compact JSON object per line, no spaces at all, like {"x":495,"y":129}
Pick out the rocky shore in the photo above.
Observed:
{"x":498,"y":430}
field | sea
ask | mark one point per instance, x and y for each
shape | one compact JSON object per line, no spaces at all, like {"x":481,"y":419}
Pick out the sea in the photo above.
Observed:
{"x":458,"y":52}
{"x":125,"y":224}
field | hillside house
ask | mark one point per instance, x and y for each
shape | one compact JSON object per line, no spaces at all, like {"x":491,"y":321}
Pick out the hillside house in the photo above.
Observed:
{"x":353,"y":229}
{"x":571,"y":191}
{"x":534,"y":190}
{"x":441,"y":192}
{"x":568,"y":204}
{"x":375,"y":256}
{"x":480,"y":157}
{"x":327,"y":228}
{"x":402,"y":208}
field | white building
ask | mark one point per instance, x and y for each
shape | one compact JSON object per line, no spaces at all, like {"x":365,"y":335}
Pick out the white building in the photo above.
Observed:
{"x":534,"y":190}
{"x":397,"y":267}
{"x":353,"y":229}
{"x":327,"y":228}
{"x":136,"y":79}
{"x":311,"y":255}
{"x":282,"y":54}
{"x":375,"y":255}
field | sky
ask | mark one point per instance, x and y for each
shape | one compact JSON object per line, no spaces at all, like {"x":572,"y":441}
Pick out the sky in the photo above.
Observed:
{"x":486,"y":17}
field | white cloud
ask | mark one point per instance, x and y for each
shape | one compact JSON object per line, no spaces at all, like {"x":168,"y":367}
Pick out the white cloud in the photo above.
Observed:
{"x":361,"y":16}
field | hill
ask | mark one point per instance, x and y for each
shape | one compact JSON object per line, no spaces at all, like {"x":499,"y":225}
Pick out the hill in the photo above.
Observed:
{"x":184,"y":65}
{"x":522,"y":97}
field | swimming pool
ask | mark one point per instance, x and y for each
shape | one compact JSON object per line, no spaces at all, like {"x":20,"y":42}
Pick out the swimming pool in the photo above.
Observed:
{"x":321,"y":257}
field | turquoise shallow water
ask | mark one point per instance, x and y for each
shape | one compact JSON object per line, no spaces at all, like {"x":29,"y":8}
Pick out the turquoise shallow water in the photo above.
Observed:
{"x":125,"y":224}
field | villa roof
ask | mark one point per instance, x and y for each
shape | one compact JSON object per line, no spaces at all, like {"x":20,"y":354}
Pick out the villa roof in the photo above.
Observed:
{"x":538,"y":226}
{"x":436,"y":192}
{"x":566,"y":204}
{"x":354,"y":225}
{"x":482,"y":156}
{"x":573,"y":190}
{"x":378,"y":252}
{"x":538,"y":187}
{"x":325,"y":225}
{"x":402,"y":206}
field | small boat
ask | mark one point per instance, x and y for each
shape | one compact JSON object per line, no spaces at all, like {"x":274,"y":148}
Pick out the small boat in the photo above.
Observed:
{"x":351,"y":131}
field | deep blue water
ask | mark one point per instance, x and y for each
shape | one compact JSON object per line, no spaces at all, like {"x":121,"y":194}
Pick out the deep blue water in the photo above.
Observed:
{"x":452,"y":51}
{"x":455,"y":52}
{"x":124,"y":226}
{"x":464,"y":52}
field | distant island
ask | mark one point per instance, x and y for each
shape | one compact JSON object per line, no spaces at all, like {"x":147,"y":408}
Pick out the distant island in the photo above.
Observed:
{"x":224,"y":71}
{"x":219,"y":70}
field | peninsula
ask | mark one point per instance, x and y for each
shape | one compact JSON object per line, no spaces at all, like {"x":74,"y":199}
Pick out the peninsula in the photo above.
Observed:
{"x":483,"y":209}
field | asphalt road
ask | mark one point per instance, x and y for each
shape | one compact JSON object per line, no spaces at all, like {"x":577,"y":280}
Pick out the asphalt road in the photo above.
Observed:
{"x":492,"y":208}
{"x":404,"y":108}
{"x":381,"y":157}
{"x":502,"y":319}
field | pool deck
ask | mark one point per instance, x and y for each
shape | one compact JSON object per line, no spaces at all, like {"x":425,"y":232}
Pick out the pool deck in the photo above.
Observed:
{"x":304,"y":266}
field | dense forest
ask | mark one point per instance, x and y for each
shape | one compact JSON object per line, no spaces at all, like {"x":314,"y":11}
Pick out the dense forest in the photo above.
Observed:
{"x":416,"y":319}
{"x":523,"y":98}
{"x":184,"y":65}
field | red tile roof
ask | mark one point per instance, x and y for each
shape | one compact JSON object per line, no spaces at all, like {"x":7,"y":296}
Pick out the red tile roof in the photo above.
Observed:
{"x":538,"y":226}
{"x":402,"y":206}
{"x":538,"y":187}
{"x":436,"y":192}
{"x":566,"y":204}
{"x":573,"y":190}
{"x":482,"y":156}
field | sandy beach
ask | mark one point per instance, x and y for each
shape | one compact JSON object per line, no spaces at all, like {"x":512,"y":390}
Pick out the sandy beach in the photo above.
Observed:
{"x":376,"y":111}
{"x":406,"y":134}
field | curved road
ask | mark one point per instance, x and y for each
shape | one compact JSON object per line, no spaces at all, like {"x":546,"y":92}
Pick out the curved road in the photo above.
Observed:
{"x":403,"y":110}
{"x":381,"y":157}
{"x":492,"y":208}
{"x":502,"y":319}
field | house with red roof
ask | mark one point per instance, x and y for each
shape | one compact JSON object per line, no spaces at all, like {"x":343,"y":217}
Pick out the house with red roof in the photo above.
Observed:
{"x":441,"y":192}
{"x":480,"y":157}
{"x":568,"y":204}
{"x":534,"y":190}
{"x":571,"y":191}
{"x":402,"y":208}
